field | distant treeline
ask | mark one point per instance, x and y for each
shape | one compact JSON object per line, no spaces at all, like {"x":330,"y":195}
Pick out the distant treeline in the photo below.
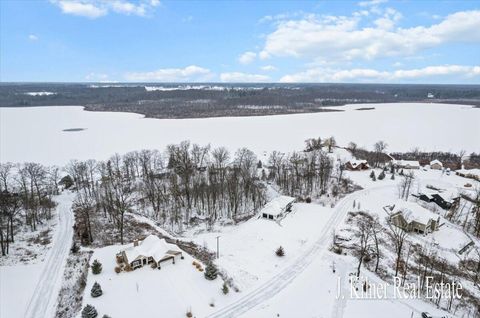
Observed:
{"x":234,"y":100}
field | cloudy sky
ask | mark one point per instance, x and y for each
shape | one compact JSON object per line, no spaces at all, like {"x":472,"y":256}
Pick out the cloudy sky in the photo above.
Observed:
{"x":375,"y":41}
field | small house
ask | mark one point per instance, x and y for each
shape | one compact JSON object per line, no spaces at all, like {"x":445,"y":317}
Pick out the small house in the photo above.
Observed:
{"x":413,"y":218}
{"x":277,"y":208}
{"x":436,"y":165}
{"x":150,"y":251}
{"x":445,"y":199}
{"x":357,"y":165}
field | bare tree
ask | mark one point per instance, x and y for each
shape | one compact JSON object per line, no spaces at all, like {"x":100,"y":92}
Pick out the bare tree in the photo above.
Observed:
{"x":398,"y":236}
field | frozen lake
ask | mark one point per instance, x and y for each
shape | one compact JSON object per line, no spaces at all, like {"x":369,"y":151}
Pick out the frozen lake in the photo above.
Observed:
{"x":54,"y":135}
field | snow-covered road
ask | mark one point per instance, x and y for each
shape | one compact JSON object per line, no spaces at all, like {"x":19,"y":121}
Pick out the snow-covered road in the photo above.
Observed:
{"x":44,"y":298}
{"x":274,"y":285}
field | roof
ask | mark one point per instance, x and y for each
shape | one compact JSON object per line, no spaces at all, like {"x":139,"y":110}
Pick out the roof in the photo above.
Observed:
{"x":414,"y":212}
{"x":152,"y":246}
{"x":436,"y":161}
{"x":277,"y":205}
{"x":356,"y":163}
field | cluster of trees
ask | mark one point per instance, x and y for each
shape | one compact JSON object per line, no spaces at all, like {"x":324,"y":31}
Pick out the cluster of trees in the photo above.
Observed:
{"x":26,"y":192}
{"x":302,"y":174}
{"x":230,"y":101}
{"x":184,"y":184}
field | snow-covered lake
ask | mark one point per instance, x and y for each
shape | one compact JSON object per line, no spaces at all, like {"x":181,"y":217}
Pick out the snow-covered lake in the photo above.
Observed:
{"x":37,"y":134}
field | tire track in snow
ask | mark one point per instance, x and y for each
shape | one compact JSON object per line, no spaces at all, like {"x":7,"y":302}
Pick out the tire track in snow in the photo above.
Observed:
{"x":45,"y":295}
{"x":277,"y":283}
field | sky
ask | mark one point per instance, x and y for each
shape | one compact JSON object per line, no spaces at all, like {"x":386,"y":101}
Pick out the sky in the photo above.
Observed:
{"x":371,"y":41}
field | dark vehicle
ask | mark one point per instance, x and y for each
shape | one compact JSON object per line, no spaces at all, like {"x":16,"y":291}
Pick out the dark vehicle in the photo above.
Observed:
{"x":426,"y":315}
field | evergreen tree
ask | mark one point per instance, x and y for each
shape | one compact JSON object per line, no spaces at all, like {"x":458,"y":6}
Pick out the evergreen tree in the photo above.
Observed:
{"x":401,"y":172}
{"x":96,"y":267}
{"x":372,"y":175}
{"x":89,"y":312}
{"x":225,"y":289}
{"x":393,"y":176}
{"x":280,"y":252}
{"x":381,"y":176}
{"x":96,"y":290}
{"x":211,"y":271}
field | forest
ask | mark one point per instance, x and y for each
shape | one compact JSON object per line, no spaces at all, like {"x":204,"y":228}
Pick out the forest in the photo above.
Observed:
{"x":216,"y":100}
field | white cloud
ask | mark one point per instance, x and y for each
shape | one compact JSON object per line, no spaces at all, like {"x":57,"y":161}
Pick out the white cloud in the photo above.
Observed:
{"x":344,"y":38}
{"x":247,"y":57}
{"x":268,"y":68}
{"x":128,"y":8}
{"x":190,"y":73}
{"x":371,"y":3}
{"x":96,"y":8}
{"x":32,"y":37}
{"x":237,"y":77}
{"x":81,"y":8}
{"x":372,"y":75}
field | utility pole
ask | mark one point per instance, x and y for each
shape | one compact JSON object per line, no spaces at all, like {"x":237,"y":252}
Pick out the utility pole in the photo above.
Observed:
{"x":218,"y":246}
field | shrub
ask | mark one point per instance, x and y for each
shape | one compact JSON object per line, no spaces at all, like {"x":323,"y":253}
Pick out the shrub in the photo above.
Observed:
{"x":280,"y":252}
{"x":118,"y":269}
{"x":89,"y":312}
{"x":393,"y":176}
{"x":211,"y":271}
{"x":308,"y":200}
{"x":225,"y":289}
{"x":96,"y":290}
{"x":106,"y":316}
{"x":153,"y":265}
{"x":74,"y":248}
{"x":189,"y":313}
{"x":96,"y":267}
{"x":128,"y":268}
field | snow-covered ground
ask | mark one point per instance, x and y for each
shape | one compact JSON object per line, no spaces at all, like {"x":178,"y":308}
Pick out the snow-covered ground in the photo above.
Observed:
{"x":32,"y":290}
{"x":36,"y":134}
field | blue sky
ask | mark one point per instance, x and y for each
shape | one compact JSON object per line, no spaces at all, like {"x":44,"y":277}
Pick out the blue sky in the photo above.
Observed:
{"x":240,"y":41}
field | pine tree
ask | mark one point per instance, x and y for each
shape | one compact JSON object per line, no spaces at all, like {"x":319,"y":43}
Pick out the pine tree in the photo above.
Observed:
{"x":372,"y":175}
{"x":96,"y":290}
{"x":225,"y":289}
{"x":280,"y":252}
{"x":96,"y":267}
{"x":381,"y":176}
{"x":393,"y":176}
{"x":89,"y":312}
{"x":211,"y":271}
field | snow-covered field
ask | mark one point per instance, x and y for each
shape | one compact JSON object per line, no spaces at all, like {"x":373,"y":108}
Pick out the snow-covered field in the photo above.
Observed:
{"x":36,"y":134}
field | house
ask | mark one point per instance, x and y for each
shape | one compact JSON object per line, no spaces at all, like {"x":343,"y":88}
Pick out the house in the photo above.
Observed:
{"x":356,"y":165}
{"x":151,"y":250}
{"x":413,"y":218}
{"x":436,"y":165}
{"x":424,"y":196}
{"x":445,"y":199}
{"x":469,"y":173}
{"x":407,"y":164}
{"x":277,"y":208}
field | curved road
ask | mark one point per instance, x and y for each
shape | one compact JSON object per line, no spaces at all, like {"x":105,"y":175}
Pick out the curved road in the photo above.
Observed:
{"x":274,"y":285}
{"x":44,"y":298}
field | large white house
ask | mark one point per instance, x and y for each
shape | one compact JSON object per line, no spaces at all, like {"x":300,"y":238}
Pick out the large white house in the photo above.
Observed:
{"x":151,"y":250}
